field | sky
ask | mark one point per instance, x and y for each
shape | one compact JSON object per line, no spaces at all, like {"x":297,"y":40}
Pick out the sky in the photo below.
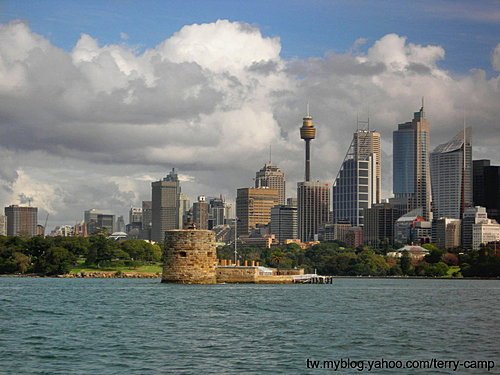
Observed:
{"x":100,"y":98}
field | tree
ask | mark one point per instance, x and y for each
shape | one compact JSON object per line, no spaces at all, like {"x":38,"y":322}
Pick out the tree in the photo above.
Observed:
{"x":405,"y":263}
{"x":101,"y":251}
{"x":55,"y":261}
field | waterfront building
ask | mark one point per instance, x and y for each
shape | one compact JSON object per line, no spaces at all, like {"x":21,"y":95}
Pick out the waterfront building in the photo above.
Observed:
{"x":284,"y":223}
{"x":451,"y":175}
{"x":411,"y":173}
{"x":3,"y":225}
{"x":358,"y":182}
{"x":253,"y":208}
{"x":486,"y":191}
{"x":379,"y":222}
{"x":272,"y":177}
{"x":200,"y":213}
{"x":21,"y":221}
{"x":165,"y":202}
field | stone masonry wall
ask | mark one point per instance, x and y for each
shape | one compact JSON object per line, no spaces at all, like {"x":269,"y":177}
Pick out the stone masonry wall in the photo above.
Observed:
{"x":189,"y":257}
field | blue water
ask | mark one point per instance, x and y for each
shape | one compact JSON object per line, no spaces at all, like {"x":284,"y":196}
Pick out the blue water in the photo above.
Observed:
{"x":140,"y":326}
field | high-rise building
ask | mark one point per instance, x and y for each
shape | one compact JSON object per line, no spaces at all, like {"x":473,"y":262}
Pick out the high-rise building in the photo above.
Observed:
{"x":284,"y":223}
{"x":200,"y":213}
{"x":135,"y":215}
{"x":451,"y":175}
{"x":184,"y":209}
{"x":272,"y":177}
{"x":3,"y":225}
{"x":411,"y":173}
{"x":253,"y":208}
{"x":486,"y":182}
{"x":120,"y":224}
{"x":216,"y":212}
{"x":412,"y":228}
{"x":147,"y":215}
{"x":358,"y":183}
{"x":379,"y":222}
{"x":165,"y":205}
{"x":21,"y":221}
{"x":313,"y":208}
{"x":446,"y":232}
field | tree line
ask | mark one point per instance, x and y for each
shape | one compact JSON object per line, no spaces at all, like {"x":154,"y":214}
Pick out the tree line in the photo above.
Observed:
{"x":335,"y":259}
{"x":50,"y":256}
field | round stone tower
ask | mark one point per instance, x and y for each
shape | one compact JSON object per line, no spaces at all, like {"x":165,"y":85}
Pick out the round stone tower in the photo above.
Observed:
{"x":189,"y":257}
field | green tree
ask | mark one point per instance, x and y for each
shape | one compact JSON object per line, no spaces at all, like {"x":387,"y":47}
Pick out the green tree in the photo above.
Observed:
{"x":101,"y":251}
{"x":405,"y":263}
{"x":55,"y":261}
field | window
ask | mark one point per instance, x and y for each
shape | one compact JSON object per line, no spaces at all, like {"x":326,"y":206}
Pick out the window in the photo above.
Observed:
{"x":182,"y":254}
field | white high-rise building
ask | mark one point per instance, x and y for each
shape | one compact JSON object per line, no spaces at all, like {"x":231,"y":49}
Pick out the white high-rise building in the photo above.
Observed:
{"x":272,"y":177}
{"x":358,"y":183}
{"x":451,"y":176}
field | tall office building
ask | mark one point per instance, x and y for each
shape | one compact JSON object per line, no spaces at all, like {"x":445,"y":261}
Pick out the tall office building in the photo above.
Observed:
{"x":165,"y":205}
{"x":313,"y":208}
{"x":284,"y":223}
{"x":96,"y":221}
{"x":135,"y":215}
{"x":358,"y":183}
{"x":379,"y":223}
{"x":21,"y":221}
{"x":216,"y":212}
{"x":253,"y":208}
{"x":471,"y":216}
{"x":411,"y":173}
{"x":486,"y":182}
{"x":200,"y":213}
{"x":451,"y":175}
{"x":272,"y":177}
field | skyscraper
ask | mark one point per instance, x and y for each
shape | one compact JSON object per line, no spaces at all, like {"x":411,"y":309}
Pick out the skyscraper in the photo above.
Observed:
{"x":216,"y":212}
{"x":486,"y":182}
{"x":411,"y":175}
{"x":165,"y":205}
{"x":200,"y":213}
{"x":272,"y":177}
{"x":358,"y":183}
{"x":21,"y":221}
{"x":451,"y":175}
{"x":253,"y":208}
{"x":313,"y":208}
{"x":284,"y":222}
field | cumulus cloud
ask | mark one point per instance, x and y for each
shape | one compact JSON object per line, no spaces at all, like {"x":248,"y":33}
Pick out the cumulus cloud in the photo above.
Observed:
{"x":94,"y":126}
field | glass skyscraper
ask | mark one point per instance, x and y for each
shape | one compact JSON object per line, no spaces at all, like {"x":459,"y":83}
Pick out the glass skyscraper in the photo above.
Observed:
{"x":451,"y":174}
{"x":411,"y":175}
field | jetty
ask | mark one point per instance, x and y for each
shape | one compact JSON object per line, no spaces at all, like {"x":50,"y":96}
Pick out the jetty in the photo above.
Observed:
{"x":312,"y":278}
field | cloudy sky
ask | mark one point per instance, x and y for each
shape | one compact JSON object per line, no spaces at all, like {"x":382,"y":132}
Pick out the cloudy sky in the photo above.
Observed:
{"x":99,"y":98}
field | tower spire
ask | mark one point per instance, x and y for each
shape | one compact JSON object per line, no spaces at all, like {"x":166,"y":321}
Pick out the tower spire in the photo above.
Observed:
{"x":308,"y":132}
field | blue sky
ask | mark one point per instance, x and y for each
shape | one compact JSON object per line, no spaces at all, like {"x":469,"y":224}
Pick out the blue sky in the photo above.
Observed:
{"x":467,"y":30}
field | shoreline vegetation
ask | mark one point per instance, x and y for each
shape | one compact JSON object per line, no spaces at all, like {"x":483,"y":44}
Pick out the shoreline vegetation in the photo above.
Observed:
{"x":100,"y":257}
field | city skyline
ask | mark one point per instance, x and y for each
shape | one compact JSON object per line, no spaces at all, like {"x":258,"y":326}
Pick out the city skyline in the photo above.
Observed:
{"x":92,"y":121}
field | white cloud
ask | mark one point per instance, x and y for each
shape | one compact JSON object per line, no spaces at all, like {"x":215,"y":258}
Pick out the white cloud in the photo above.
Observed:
{"x":93,"y":127}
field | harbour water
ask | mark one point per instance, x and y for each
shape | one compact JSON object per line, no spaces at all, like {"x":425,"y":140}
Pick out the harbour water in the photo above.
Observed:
{"x":140,"y":326}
